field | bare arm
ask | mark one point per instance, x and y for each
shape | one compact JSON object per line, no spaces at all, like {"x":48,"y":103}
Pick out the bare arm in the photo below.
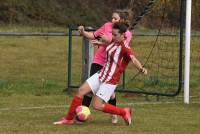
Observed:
{"x":138,"y":65}
{"x":86,"y":34}
{"x":90,"y":35}
{"x":99,"y":43}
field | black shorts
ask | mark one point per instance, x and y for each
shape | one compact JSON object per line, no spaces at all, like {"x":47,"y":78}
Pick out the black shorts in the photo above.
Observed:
{"x":95,"y":68}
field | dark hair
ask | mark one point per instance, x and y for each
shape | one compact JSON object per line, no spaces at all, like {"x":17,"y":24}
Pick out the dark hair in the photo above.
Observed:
{"x":125,"y":16}
{"x":122,"y":27}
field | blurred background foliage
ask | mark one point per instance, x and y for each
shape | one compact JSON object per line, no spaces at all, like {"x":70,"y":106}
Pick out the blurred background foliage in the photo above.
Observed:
{"x":87,"y":12}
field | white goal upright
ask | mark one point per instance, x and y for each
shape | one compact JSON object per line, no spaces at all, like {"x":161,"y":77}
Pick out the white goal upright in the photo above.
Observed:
{"x":187,"y":51}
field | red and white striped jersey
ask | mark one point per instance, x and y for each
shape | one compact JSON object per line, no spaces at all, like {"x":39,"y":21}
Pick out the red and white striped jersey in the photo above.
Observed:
{"x":118,"y":57}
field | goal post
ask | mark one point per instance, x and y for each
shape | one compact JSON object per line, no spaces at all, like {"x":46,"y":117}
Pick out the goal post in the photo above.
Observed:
{"x":88,"y":54}
{"x":187,"y":51}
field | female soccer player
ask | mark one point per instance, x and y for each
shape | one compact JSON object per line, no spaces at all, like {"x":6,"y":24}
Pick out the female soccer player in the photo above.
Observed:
{"x":104,"y":33}
{"x":103,"y":83}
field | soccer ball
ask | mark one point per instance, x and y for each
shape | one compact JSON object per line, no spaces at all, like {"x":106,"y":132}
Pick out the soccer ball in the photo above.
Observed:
{"x":82,"y":113}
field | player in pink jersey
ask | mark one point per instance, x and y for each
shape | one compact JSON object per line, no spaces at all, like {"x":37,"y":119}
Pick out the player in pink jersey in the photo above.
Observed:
{"x":103,"y":83}
{"x":103,"y":36}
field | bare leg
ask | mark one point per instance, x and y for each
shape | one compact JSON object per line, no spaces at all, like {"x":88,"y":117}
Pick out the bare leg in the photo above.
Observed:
{"x":125,"y":113}
{"x":83,"y":90}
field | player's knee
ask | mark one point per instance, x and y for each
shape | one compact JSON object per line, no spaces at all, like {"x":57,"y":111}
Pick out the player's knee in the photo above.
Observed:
{"x":97,"y":106}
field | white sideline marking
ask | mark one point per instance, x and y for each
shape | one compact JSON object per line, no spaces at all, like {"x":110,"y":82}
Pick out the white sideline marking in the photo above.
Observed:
{"x":30,"y":108}
{"x":121,"y":104}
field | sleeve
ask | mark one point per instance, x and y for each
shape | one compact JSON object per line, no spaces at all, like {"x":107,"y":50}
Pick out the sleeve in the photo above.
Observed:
{"x":128,"y":52}
{"x":99,"y":31}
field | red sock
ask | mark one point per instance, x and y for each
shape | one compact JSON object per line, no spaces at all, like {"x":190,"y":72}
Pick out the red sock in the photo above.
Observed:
{"x":113,"y":109}
{"x":77,"y":101}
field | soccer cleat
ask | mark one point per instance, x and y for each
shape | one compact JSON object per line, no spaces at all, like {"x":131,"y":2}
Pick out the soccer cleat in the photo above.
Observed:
{"x":64,"y":121}
{"x":114,"y":119}
{"x":127,"y":116}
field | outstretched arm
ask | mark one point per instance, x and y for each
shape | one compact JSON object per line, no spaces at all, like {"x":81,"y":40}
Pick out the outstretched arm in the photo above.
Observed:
{"x":86,"y":34}
{"x":138,"y":65}
{"x":99,"y":34}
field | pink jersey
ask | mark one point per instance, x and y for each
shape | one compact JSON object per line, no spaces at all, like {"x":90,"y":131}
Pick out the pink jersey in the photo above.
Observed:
{"x":118,"y":57}
{"x":100,"y":55}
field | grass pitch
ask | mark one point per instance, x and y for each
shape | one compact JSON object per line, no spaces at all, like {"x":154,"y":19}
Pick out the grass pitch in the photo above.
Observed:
{"x":22,"y":114}
{"x":33,"y":75}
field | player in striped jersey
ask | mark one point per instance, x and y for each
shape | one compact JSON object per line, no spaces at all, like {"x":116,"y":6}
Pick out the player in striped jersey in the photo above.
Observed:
{"x":103,"y":83}
{"x":101,"y":36}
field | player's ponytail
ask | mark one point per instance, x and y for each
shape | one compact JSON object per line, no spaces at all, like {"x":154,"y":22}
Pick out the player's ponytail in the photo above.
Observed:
{"x":125,"y":16}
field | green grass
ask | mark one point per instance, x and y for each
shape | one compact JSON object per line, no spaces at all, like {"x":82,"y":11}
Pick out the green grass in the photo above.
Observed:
{"x":35,"y":115}
{"x":33,"y":76}
{"x":31,"y":64}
